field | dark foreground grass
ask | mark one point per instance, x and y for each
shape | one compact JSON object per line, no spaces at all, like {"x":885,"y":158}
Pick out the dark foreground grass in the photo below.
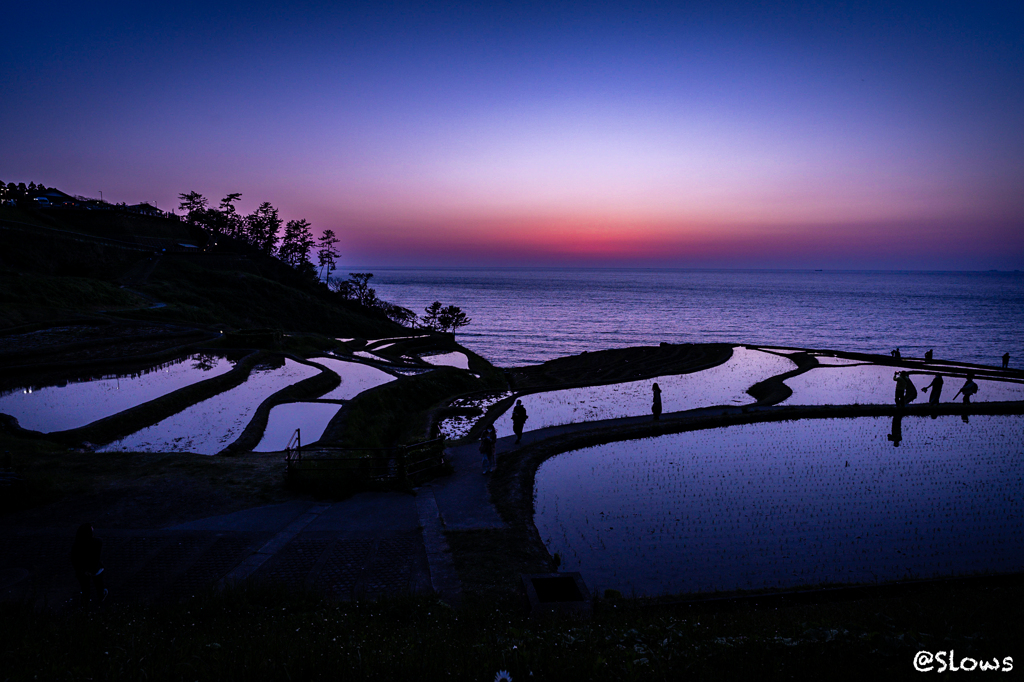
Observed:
{"x":269,"y":634}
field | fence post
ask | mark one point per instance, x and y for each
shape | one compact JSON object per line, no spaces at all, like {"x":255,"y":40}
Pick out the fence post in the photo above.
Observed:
{"x":403,"y":464}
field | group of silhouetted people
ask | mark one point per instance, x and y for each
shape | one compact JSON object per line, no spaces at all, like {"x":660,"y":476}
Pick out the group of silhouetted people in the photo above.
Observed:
{"x":906,"y":392}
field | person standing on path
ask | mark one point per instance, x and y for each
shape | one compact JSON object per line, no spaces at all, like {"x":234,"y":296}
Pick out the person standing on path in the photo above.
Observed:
{"x":656,"y":405}
{"x":85,"y":558}
{"x":519,"y":418}
{"x":487,"y":444}
{"x":1006,"y":360}
{"x":936,"y":387}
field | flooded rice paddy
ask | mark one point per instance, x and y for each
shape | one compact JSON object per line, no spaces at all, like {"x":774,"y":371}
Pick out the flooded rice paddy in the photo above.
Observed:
{"x":454,"y":359}
{"x":787,"y":504}
{"x":356,"y":377}
{"x":457,"y":427}
{"x":310,"y":418}
{"x":209,"y":426}
{"x":725,"y":384}
{"x":75,"y":404}
{"x":865,"y":384}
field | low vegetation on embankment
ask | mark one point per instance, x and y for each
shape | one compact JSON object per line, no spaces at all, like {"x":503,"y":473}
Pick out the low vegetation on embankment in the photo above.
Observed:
{"x":269,"y":634}
{"x":403,"y":411}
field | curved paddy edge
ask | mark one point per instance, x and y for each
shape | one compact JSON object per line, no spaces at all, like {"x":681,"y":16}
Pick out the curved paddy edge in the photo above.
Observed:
{"x":307,"y":389}
{"x":512,"y":484}
{"x":136,"y":418}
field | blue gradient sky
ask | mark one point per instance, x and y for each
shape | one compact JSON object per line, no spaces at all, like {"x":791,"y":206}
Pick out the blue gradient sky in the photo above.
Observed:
{"x":855,"y":135}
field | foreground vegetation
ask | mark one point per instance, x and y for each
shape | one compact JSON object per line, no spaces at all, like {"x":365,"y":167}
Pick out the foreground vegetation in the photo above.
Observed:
{"x":246,"y":633}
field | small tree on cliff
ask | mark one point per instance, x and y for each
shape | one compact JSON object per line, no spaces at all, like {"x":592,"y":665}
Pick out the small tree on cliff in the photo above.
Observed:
{"x":327,"y":254}
{"x":452,"y":317}
{"x":444,"y":318}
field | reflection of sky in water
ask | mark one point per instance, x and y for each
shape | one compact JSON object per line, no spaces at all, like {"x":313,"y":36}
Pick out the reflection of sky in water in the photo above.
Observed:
{"x":210,"y":426}
{"x":725,"y":384}
{"x":874,"y":385}
{"x":311,"y":418}
{"x":775,"y":505}
{"x":57,"y":408}
{"x":355,"y":377}
{"x":457,"y":427}
{"x":827,"y":360}
{"x":454,"y":359}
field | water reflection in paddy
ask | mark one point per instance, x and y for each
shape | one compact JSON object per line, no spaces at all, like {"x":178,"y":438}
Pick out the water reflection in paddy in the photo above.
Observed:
{"x":725,"y":384}
{"x":209,"y":426}
{"x":453,"y":359}
{"x":788,"y":504}
{"x":311,"y":418}
{"x":57,"y":408}
{"x":356,"y":377}
{"x":874,"y":385}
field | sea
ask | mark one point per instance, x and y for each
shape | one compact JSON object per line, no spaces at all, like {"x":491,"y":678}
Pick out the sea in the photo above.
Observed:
{"x":523,"y":316}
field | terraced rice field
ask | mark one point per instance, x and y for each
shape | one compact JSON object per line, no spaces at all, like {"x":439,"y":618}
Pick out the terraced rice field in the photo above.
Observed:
{"x":865,"y":384}
{"x":454,"y":428}
{"x":725,"y":384}
{"x":787,"y":504}
{"x":310,"y":418}
{"x":58,"y":408}
{"x":209,"y":426}
{"x":454,"y":359}
{"x":355,"y":377}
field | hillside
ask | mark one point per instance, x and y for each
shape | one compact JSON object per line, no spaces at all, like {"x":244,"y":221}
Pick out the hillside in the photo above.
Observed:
{"x":61,"y":264}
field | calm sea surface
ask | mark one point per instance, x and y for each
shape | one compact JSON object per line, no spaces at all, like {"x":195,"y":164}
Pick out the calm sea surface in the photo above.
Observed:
{"x":526,"y":316}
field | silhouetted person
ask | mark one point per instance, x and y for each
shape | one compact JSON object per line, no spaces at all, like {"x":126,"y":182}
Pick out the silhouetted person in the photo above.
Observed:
{"x":85,"y":558}
{"x":656,"y":405}
{"x":936,"y":387}
{"x":928,"y":355}
{"x":897,"y":430}
{"x":519,"y":418}
{"x":895,"y":353}
{"x":905,"y":390}
{"x":1006,"y":360}
{"x":968,"y":389}
{"x":487,"y":443}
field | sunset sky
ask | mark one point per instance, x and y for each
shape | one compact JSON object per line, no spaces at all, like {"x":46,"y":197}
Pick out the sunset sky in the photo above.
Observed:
{"x":710,"y":134}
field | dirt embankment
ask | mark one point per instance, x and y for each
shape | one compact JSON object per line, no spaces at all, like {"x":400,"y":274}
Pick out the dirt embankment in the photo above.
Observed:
{"x":619,"y":364}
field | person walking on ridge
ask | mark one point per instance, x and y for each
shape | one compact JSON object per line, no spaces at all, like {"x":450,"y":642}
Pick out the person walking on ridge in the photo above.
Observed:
{"x":968,"y":389}
{"x":519,"y":418}
{"x":656,"y":405}
{"x":487,"y":444}
{"x":1006,"y":360}
{"x":936,"y":387}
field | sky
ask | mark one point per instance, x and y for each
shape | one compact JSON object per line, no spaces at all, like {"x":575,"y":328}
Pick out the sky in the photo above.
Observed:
{"x":857,"y":135}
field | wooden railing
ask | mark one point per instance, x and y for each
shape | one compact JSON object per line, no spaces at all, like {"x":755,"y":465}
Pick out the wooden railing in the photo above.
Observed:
{"x":370,"y":467}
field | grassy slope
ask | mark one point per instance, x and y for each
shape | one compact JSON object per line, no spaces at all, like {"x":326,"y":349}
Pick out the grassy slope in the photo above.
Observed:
{"x":47,"y":274}
{"x":238,"y":299}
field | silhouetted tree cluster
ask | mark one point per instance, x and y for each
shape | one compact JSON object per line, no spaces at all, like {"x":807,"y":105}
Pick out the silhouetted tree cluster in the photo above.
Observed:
{"x":444,"y":318}
{"x":19,"y":192}
{"x":357,"y":288}
{"x":262,"y":229}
